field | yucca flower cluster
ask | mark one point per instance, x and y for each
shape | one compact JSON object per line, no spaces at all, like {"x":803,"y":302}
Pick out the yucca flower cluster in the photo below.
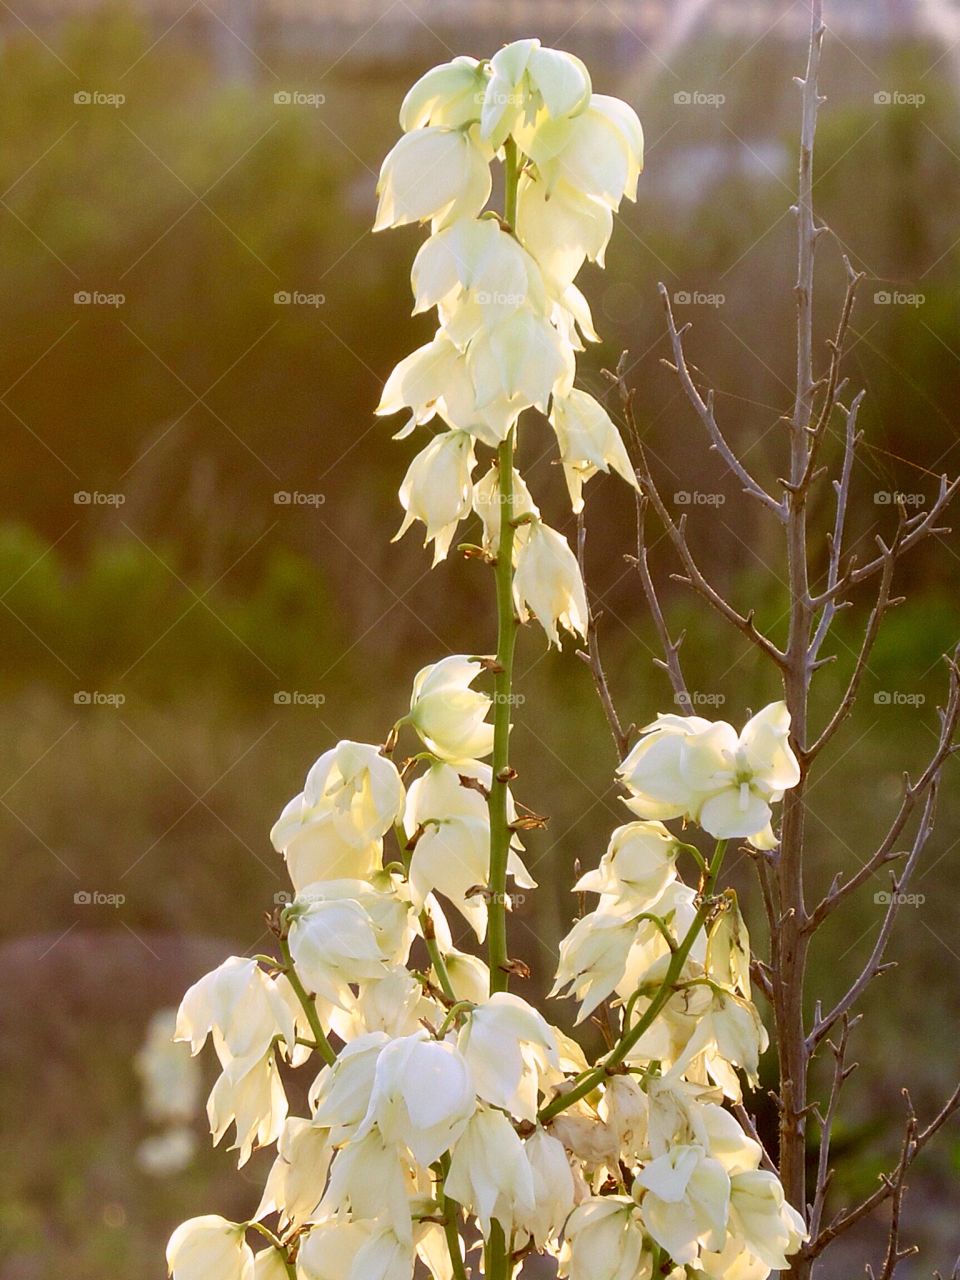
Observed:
{"x":450,"y":1121}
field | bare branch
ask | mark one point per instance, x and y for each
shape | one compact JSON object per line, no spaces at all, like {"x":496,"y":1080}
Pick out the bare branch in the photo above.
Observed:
{"x":914,"y":1142}
{"x":852,"y":438}
{"x":887,"y":851}
{"x":592,"y":656}
{"x":875,"y":965}
{"x":840,"y":1074}
{"x":748,"y":1124}
{"x":671,"y":648}
{"x":705,"y":411}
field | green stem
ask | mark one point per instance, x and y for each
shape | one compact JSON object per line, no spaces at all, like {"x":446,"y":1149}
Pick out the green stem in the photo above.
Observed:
{"x":591,"y":1079}
{"x":497,"y":1255}
{"x":503,"y":686}
{"x":309,"y":1008}
{"x":267,"y":1234}
{"x":450,"y":1209}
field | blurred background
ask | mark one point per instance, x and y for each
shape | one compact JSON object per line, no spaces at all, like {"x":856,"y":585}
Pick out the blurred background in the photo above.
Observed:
{"x":197,"y":586}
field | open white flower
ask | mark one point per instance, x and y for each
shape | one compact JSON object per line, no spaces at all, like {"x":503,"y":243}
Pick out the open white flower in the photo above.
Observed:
{"x":358,"y":787}
{"x":653,"y":769}
{"x":589,"y":442}
{"x":334,"y":943}
{"x":548,"y":583}
{"x":372,"y":1179}
{"x":603,"y":1240}
{"x":434,"y":173}
{"x":340,"y":1095}
{"x":449,"y":94}
{"x":553,"y":1188}
{"x":521,"y":360}
{"x":686,"y":1202}
{"x":329,"y":1250}
{"x":422,"y":1096}
{"x":639,"y":863}
{"x":509,"y":1048}
{"x":448,"y":715}
{"x":593,"y":957}
{"x":599,"y":151}
{"x":438,"y":489}
{"x":489,"y":1172}
{"x":741,"y":775}
{"x":208,"y":1247}
{"x":241,"y":1007}
{"x":730,"y":1034}
{"x":314,"y":849}
{"x":526,"y":78}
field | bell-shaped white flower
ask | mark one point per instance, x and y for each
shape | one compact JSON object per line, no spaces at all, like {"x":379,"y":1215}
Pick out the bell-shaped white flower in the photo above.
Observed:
{"x":653,"y":769}
{"x":270,"y":1264}
{"x":548,"y":583}
{"x":296,"y":1180}
{"x":599,"y":151}
{"x":328,"y":1251}
{"x":207,"y":1248}
{"x":624,"y":1107}
{"x":252,"y":1098}
{"x":340,"y":1095}
{"x":725,"y":1139}
{"x":334,"y":943}
{"x":469,"y":976}
{"x":438,"y":489}
{"x":452,"y":857}
{"x":730,"y":1034}
{"x":372,"y":1179}
{"x":489,"y":503}
{"x":242,"y":1008}
{"x":526,"y":77}
{"x":760,"y":1215}
{"x":422,"y":1097}
{"x":436,"y":380}
{"x":733,"y":1262}
{"x":489,"y":1172}
{"x":509,"y":1048}
{"x":522,"y":360}
{"x":394,"y":1003}
{"x":358,"y":787}
{"x":728,"y":948}
{"x":434,"y":173}
{"x":449,"y":94}
{"x":589,"y":442}
{"x":448,"y":715}
{"x":384,"y":1256}
{"x":686,"y":1202}
{"x":314,"y":849}
{"x":740,"y":775}
{"x":561,"y":228}
{"x":476,"y":274}
{"x":639,"y":863}
{"x":603,"y":1240}
{"x":593,"y":957}
{"x":553,"y":1188}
